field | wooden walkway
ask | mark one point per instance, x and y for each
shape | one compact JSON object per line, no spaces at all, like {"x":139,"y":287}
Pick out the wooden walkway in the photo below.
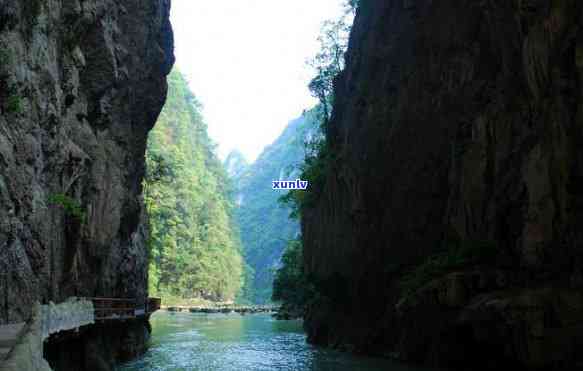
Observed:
{"x":108,"y":309}
{"x":104,"y":309}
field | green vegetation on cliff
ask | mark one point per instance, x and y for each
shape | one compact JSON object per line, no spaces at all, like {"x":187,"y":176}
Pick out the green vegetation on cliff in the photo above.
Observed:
{"x":290,"y":284}
{"x":194,"y":245}
{"x":460,"y":255}
{"x":265,"y":225}
{"x":327,"y":64}
{"x":70,"y":205}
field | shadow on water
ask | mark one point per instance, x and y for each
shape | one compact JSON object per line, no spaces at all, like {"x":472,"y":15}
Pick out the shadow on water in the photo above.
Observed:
{"x":231,"y":342}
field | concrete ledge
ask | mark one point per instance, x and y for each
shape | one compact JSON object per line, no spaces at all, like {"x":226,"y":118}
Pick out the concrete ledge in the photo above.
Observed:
{"x":27,"y":354}
{"x":66,"y":316}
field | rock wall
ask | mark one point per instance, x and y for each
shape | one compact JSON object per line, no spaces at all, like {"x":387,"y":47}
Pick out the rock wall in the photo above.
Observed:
{"x":99,"y":347}
{"x":81,"y":84}
{"x":455,"y":121}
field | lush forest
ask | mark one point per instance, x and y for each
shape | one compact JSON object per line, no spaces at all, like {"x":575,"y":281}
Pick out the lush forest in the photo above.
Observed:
{"x":300,"y":152}
{"x":291,"y":286}
{"x":194,"y":244}
{"x":196,"y":204}
{"x":265,"y":224}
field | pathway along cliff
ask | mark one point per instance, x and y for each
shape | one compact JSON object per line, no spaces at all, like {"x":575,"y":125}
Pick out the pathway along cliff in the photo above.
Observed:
{"x":81,"y":85}
{"x":443,"y":224}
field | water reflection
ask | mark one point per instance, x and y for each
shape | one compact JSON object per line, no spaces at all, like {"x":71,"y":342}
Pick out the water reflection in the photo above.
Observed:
{"x":218,"y":342}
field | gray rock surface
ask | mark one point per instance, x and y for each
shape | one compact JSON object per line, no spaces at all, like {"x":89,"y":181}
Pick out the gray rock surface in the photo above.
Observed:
{"x":81,"y":84}
{"x":453,"y":121}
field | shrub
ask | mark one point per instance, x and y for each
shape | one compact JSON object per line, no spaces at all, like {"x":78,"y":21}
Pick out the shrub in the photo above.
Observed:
{"x":70,"y":205}
{"x":14,"y":104}
{"x":318,"y":162}
{"x":290,"y":285}
{"x":467,"y":253}
{"x":4,"y":56}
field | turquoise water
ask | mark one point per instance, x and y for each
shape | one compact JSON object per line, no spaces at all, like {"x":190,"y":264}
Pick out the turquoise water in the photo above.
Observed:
{"x":231,"y":342}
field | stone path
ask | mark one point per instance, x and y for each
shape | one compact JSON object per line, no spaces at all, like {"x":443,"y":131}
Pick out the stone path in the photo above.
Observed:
{"x":21,"y":344}
{"x":9,"y":336}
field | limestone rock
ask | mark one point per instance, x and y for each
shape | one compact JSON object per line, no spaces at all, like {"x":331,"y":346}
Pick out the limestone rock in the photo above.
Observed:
{"x":81,"y":84}
{"x":454,"y":120}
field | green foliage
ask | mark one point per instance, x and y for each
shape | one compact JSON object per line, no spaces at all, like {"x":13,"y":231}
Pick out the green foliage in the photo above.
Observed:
{"x":329,"y":61}
{"x":4,"y":56}
{"x":178,"y":301}
{"x":320,"y":157}
{"x":290,"y":284}
{"x":159,"y":168}
{"x":300,"y":152}
{"x":194,"y":245}
{"x":318,"y":161}
{"x":14,"y":104}
{"x":9,"y":95}
{"x":460,"y":256}
{"x":265,"y":227}
{"x":247,"y":293}
{"x":70,"y":205}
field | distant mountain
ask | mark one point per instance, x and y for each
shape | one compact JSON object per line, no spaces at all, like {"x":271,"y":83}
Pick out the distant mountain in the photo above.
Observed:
{"x":265,"y":224}
{"x":236,"y":164}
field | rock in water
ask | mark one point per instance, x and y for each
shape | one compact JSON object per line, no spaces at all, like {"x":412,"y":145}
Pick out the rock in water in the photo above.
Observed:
{"x":81,"y":84}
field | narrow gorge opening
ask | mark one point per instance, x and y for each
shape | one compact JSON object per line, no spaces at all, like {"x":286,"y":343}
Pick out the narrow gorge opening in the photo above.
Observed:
{"x":275,"y":185}
{"x":219,"y":223}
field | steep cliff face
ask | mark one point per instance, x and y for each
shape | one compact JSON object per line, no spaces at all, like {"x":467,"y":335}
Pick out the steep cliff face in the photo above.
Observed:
{"x":81,"y":84}
{"x":455,"y":121}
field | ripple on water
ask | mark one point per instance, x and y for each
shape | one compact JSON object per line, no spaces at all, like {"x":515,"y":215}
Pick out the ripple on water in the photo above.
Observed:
{"x":218,"y":342}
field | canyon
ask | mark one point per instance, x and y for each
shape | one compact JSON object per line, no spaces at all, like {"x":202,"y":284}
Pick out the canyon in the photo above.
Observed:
{"x":445,"y":229}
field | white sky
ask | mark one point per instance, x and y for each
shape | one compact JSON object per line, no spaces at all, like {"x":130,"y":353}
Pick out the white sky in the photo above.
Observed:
{"x":245,"y":60}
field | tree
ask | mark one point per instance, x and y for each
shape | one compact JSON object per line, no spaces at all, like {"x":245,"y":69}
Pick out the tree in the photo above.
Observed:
{"x":290,"y":284}
{"x":329,"y":61}
{"x":194,"y":244}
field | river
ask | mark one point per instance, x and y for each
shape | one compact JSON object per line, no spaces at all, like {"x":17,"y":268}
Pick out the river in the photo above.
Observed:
{"x":231,"y":342}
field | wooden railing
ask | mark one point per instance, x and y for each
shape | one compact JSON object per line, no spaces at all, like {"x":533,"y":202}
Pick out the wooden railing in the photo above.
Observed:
{"x":107,"y":309}
{"x":71,"y":315}
{"x":114,"y":308}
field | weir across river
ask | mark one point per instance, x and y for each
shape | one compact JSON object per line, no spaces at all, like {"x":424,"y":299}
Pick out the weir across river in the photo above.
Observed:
{"x":68,"y":316}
